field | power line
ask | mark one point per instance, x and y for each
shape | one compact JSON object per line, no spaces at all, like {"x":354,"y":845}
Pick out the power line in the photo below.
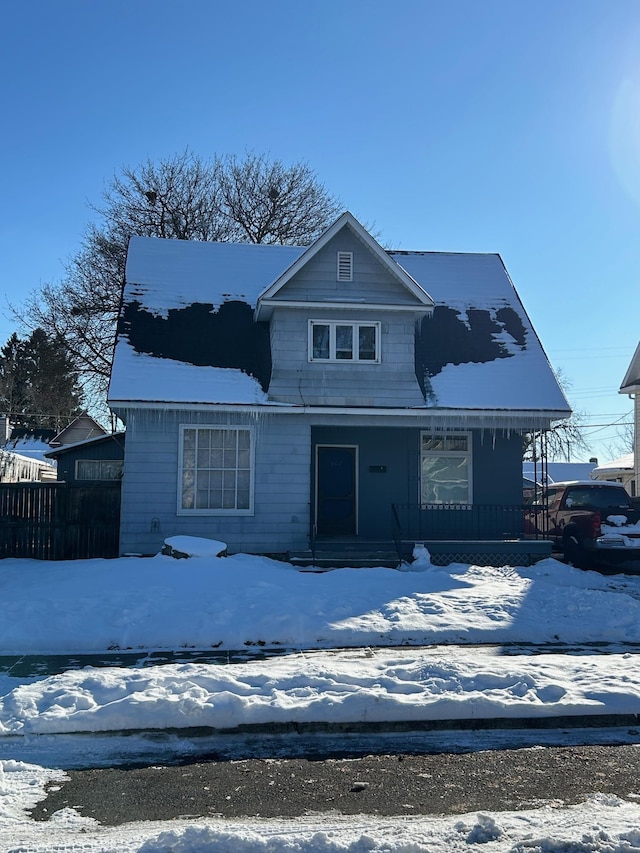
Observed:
{"x":604,"y":426}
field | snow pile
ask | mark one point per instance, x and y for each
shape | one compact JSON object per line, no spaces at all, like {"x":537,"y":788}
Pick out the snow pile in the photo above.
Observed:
{"x":617,"y":529}
{"x":352,"y":687}
{"x":195,"y":546}
{"x":245,"y":601}
{"x":421,"y":558}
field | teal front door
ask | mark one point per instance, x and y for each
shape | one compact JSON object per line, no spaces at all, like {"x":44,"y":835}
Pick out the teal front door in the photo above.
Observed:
{"x":336,"y":490}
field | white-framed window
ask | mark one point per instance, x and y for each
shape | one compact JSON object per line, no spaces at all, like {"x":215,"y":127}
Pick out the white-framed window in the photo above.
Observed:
{"x":445,"y":468}
{"x":344,"y":263}
{"x":344,"y":341}
{"x":216,"y":470}
{"x":99,"y":469}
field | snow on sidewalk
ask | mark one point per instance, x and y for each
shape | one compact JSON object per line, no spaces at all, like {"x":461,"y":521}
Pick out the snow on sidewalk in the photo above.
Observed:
{"x":357,"y":686}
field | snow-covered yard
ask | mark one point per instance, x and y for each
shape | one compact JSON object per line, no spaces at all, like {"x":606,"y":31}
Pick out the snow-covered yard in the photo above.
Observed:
{"x":386,"y":624}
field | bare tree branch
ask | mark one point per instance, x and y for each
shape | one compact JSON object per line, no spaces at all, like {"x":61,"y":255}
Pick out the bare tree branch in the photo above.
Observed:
{"x":184,"y":197}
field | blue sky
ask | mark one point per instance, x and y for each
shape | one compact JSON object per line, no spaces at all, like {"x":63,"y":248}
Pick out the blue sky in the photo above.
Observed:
{"x":496,"y":126}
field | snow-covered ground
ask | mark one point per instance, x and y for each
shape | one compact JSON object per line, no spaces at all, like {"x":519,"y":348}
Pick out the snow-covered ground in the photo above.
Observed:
{"x":602,"y":824}
{"x":353,"y":650}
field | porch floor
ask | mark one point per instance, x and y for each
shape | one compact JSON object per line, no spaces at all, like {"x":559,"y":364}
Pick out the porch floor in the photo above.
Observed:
{"x":356,"y":552}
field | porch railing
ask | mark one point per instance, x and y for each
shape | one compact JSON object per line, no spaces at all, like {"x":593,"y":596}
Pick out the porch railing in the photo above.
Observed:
{"x":460,"y":522}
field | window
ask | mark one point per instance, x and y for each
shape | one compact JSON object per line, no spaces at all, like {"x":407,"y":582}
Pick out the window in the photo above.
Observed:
{"x":344,"y":341}
{"x":345,"y":266}
{"x":445,"y":468}
{"x":546,"y":498}
{"x":99,"y":469}
{"x":597,"y":497}
{"x":216,"y":471}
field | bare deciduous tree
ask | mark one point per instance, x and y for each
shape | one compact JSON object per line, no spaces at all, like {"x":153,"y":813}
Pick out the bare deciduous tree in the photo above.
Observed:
{"x":264,"y":201}
{"x":623,"y":443}
{"x":251,"y":199}
{"x":566,"y":437}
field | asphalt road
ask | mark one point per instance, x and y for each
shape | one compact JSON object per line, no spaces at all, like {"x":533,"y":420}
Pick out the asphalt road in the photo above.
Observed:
{"x":386,"y":785}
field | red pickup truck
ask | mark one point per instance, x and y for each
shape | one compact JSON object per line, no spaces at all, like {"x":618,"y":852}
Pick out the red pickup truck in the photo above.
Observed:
{"x":592,"y":522}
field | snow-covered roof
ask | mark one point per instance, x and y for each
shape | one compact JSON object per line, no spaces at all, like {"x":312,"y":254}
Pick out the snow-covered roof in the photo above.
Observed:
{"x":23,"y":460}
{"x":622,"y":463}
{"x":173,"y":274}
{"x":559,"y":471}
{"x":118,"y":437}
{"x":28,"y":446}
{"x":187,"y":331}
{"x":631,"y":381}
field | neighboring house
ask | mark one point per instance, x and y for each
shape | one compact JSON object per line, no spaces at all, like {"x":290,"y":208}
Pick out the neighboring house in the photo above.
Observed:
{"x":16,"y":468}
{"x":275,"y":394}
{"x":23,"y":455}
{"x":558,"y":472}
{"x":631,"y":387}
{"x":618,"y":470}
{"x":80,"y":429}
{"x":96,"y":460}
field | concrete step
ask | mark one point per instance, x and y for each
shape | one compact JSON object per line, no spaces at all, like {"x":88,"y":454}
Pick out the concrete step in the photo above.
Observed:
{"x":341,"y":559}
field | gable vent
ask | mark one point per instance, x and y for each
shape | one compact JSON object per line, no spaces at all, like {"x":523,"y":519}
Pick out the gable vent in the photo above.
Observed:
{"x":345,"y":266}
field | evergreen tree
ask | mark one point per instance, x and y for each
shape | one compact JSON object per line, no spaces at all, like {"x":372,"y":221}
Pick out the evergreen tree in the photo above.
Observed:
{"x":39,"y":384}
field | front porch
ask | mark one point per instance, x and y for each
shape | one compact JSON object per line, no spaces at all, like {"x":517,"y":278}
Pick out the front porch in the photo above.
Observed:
{"x":485,"y":535}
{"x":367,"y":554}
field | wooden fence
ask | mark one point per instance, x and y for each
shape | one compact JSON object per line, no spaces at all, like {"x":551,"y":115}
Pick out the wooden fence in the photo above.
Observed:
{"x":59,"y":521}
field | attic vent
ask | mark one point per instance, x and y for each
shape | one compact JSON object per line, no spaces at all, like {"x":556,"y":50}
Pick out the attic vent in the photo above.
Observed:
{"x":345,"y":266}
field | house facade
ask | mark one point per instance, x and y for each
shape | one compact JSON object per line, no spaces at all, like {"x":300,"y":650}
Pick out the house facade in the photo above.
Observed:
{"x":620,"y":470}
{"x":631,"y":387}
{"x":275,"y":395}
{"x":94,"y":460}
{"x":23,"y":454}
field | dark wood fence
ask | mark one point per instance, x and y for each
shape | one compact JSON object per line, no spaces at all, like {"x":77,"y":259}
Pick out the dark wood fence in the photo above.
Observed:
{"x":59,"y":521}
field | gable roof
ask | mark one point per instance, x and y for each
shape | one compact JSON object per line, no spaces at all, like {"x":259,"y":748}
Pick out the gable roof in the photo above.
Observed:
{"x":347,"y":220}
{"x":117,"y":438}
{"x":631,"y":381}
{"x":81,"y":427}
{"x":187,"y":333}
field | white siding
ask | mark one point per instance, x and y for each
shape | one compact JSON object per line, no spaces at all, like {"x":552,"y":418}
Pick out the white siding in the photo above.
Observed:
{"x":149,"y":488}
{"x":636,"y":442}
{"x":294,"y":379}
{"x":317,"y":280}
{"x":392,"y":381}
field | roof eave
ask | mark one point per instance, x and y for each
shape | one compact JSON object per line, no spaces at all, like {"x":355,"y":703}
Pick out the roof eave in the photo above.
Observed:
{"x":265,"y":307}
{"x":379,"y":411}
{"x":631,"y":381}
